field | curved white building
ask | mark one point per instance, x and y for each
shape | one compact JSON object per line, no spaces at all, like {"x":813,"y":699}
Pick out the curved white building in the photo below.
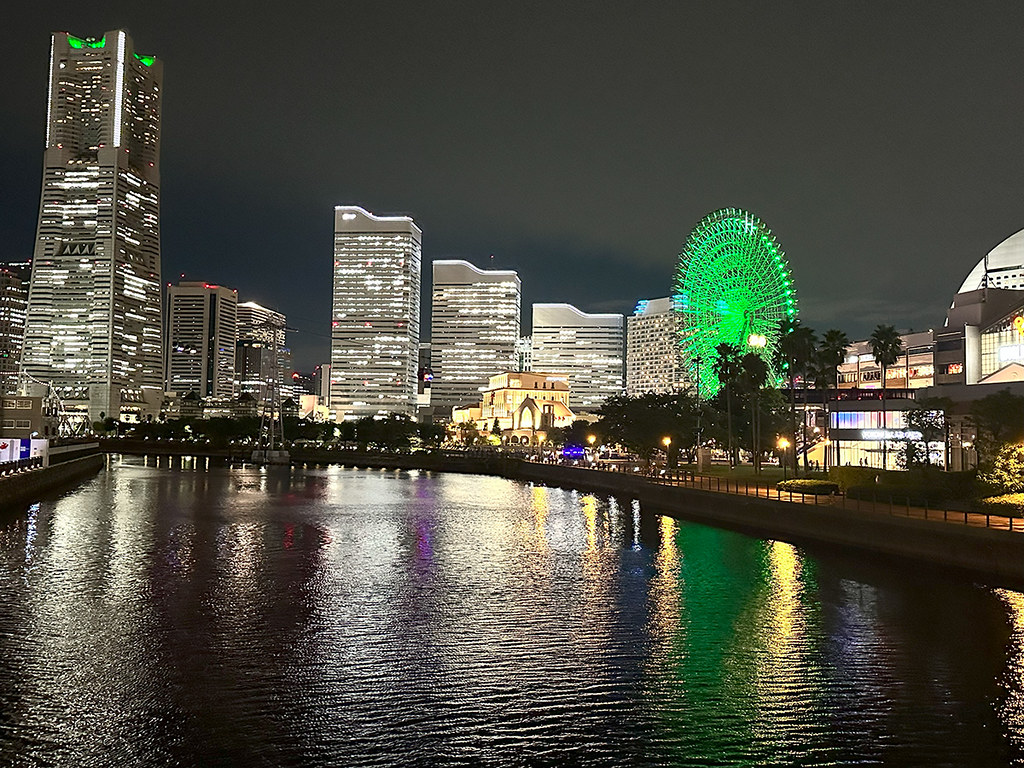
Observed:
{"x":474,"y":329}
{"x":375,"y":330}
{"x":1004,"y":266}
{"x":589,"y":348}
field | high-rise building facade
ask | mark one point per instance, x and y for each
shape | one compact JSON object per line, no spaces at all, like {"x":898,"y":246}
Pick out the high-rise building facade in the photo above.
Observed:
{"x":654,"y":359}
{"x":587,"y":347}
{"x":474,"y":328}
{"x":375,"y":328}
{"x":93,"y":326}
{"x":201,"y":334}
{"x":263,"y":363}
{"x":524,"y":353}
{"x":14,"y":279}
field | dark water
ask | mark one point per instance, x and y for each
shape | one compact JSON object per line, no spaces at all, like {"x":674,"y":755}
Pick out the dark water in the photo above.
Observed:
{"x":352,"y":617}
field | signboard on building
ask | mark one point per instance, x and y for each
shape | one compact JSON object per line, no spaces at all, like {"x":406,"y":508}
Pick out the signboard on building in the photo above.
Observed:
{"x":17,"y":448}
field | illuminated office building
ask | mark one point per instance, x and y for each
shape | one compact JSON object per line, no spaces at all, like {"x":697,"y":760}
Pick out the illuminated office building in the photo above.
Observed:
{"x":263,"y":362}
{"x":93,"y":326}
{"x":474,"y":328}
{"x":375,"y":329}
{"x":654,"y":358}
{"x":201,"y":333}
{"x":524,"y":353}
{"x":14,"y":280}
{"x":588,"y":348}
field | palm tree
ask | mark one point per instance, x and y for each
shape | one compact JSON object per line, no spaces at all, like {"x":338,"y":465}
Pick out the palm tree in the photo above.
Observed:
{"x":831,"y":353}
{"x":753,"y":376}
{"x":796,"y":350}
{"x":886,"y":345}
{"x":727,"y":368}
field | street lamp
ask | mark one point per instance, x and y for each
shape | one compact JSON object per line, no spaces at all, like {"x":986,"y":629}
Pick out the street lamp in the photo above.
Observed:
{"x":783,"y":445}
{"x":698,"y":361}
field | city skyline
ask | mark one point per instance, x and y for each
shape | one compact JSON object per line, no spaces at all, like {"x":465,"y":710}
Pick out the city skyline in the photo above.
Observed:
{"x":882,"y":197}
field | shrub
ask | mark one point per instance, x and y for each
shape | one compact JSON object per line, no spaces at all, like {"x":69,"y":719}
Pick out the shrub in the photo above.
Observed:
{"x":810,"y":487}
{"x":1010,"y":504}
{"x":1007,"y":473}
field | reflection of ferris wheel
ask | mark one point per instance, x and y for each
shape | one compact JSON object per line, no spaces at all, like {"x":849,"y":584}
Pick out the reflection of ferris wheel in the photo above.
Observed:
{"x":732,"y":286}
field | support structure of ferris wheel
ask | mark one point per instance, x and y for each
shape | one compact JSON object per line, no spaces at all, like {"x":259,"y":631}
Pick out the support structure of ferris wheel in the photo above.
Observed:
{"x":732,"y":285}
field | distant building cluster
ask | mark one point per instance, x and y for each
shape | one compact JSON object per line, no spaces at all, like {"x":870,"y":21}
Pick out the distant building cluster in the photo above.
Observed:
{"x":89,"y":323}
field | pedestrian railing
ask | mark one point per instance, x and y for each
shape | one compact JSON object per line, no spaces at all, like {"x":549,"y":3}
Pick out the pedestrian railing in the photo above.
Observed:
{"x":896,"y":506}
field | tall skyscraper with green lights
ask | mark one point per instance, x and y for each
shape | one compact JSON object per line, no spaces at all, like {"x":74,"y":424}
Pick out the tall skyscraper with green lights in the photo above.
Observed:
{"x":93,"y":327}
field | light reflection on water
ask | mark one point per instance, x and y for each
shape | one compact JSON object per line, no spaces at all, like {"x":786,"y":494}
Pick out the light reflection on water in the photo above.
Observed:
{"x":214,"y":616}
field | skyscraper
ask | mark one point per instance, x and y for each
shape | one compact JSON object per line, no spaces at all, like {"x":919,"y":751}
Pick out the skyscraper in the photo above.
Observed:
{"x":13,"y":299}
{"x":654,"y":359}
{"x":261,"y":331}
{"x":93,"y":325}
{"x":586,"y":347}
{"x":201,"y":333}
{"x":474,"y":328}
{"x":375,"y":328}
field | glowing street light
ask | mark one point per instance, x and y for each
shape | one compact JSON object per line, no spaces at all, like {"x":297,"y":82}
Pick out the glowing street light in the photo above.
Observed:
{"x":783,"y":445}
{"x":757,"y":340}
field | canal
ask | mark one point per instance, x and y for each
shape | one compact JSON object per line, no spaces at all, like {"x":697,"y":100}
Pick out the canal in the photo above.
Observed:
{"x":196,"y":615}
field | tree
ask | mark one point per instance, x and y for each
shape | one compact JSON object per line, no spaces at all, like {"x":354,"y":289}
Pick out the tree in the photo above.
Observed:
{"x":431,"y":435}
{"x":641,"y":423}
{"x":831,"y":353}
{"x":754,"y":374}
{"x":999,"y":419}
{"x":1007,"y":472}
{"x":727,"y":368}
{"x":930,"y":421}
{"x":796,"y":349}
{"x":886,"y":345}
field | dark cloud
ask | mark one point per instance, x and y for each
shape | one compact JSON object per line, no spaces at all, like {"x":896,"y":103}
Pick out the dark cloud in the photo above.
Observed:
{"x":578,"y":143}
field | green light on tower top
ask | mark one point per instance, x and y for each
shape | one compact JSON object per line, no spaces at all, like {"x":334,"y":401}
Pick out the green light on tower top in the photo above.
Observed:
{"x":78,"y":42}
{"x":147,"y":60}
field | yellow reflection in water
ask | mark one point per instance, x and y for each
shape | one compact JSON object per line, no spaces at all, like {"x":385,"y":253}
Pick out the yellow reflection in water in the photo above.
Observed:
{"x":665,"y":588}
{"x":781,"y":665}
{"x":784,"y":597}
{"x":540,"y":506}
{"x":589,"y":505}
{"x":1012,"y":710}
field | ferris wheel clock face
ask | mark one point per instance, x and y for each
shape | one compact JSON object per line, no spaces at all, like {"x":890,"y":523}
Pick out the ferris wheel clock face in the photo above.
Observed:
{"x":732,"y":286}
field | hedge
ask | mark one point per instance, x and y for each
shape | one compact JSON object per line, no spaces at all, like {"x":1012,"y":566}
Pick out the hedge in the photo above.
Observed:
{"x":810,"y":487}
{"x":1010,"y":504}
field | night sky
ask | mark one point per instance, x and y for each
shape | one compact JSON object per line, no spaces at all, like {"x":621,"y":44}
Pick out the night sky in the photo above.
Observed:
{"x":577,"y":142}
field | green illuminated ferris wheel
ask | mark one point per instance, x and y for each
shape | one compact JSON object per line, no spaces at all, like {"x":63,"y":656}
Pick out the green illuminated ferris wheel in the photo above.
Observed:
{"x":732,"y":285}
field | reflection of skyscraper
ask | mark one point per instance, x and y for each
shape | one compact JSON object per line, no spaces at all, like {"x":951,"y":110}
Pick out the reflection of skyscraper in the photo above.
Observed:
{"x":474,"y":328}
{"x":201,"y":336}
{"x":93,"y":325}
{"x":375,"y":330}
{"x":586,"y":347}
{"x":13,"y":299}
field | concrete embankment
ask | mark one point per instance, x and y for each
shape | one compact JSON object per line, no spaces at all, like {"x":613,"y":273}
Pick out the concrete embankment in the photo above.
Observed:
{"x":28,"y":487}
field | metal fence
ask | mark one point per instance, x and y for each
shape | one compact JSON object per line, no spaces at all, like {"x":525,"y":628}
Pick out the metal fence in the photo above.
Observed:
{"x":896,"y":506}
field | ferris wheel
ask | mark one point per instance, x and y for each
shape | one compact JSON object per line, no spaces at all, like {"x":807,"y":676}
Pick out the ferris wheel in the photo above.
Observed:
{"x":733,"y":286}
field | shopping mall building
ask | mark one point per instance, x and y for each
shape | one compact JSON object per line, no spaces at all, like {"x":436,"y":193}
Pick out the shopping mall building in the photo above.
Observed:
{"x":978,"y":351}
